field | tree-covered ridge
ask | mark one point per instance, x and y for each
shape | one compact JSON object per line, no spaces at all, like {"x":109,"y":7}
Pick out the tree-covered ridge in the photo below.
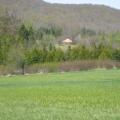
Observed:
{"x":69,"y":17}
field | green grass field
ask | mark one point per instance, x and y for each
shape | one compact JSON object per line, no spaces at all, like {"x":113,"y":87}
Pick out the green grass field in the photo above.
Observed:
{"x":87,"y":95}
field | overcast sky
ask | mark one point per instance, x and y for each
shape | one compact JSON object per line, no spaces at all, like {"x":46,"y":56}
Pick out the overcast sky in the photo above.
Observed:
{"x":112,"y":3}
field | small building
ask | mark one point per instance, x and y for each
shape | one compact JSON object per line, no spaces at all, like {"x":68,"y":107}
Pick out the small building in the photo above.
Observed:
{"x":67,"y":41}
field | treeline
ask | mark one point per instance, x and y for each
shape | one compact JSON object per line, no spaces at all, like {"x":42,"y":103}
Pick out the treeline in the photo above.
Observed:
{"x":22,"y":45}
{"x":77,"y":53}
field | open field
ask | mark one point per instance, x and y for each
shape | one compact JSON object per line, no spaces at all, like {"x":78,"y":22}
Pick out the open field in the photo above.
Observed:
{"x":87,"y":95}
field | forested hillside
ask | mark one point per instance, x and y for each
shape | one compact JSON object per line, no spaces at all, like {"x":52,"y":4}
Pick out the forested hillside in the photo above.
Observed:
{"x":70,"y":17}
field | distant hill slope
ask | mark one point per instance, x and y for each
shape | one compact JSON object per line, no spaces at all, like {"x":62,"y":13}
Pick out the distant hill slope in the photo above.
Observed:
{"x":69,"y":17}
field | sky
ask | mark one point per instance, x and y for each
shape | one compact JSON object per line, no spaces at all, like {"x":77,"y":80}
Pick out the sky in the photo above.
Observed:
{"x":111,"y":3}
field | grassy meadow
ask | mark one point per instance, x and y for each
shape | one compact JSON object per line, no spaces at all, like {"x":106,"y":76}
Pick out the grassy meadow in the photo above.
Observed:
{"x":85,"y":95}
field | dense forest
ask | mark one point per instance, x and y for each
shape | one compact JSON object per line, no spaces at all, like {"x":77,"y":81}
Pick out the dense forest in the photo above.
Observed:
{"x":22,"y":44}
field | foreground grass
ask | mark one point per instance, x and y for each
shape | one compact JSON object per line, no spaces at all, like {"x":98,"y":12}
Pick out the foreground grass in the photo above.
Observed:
{"x":90,"y":95}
